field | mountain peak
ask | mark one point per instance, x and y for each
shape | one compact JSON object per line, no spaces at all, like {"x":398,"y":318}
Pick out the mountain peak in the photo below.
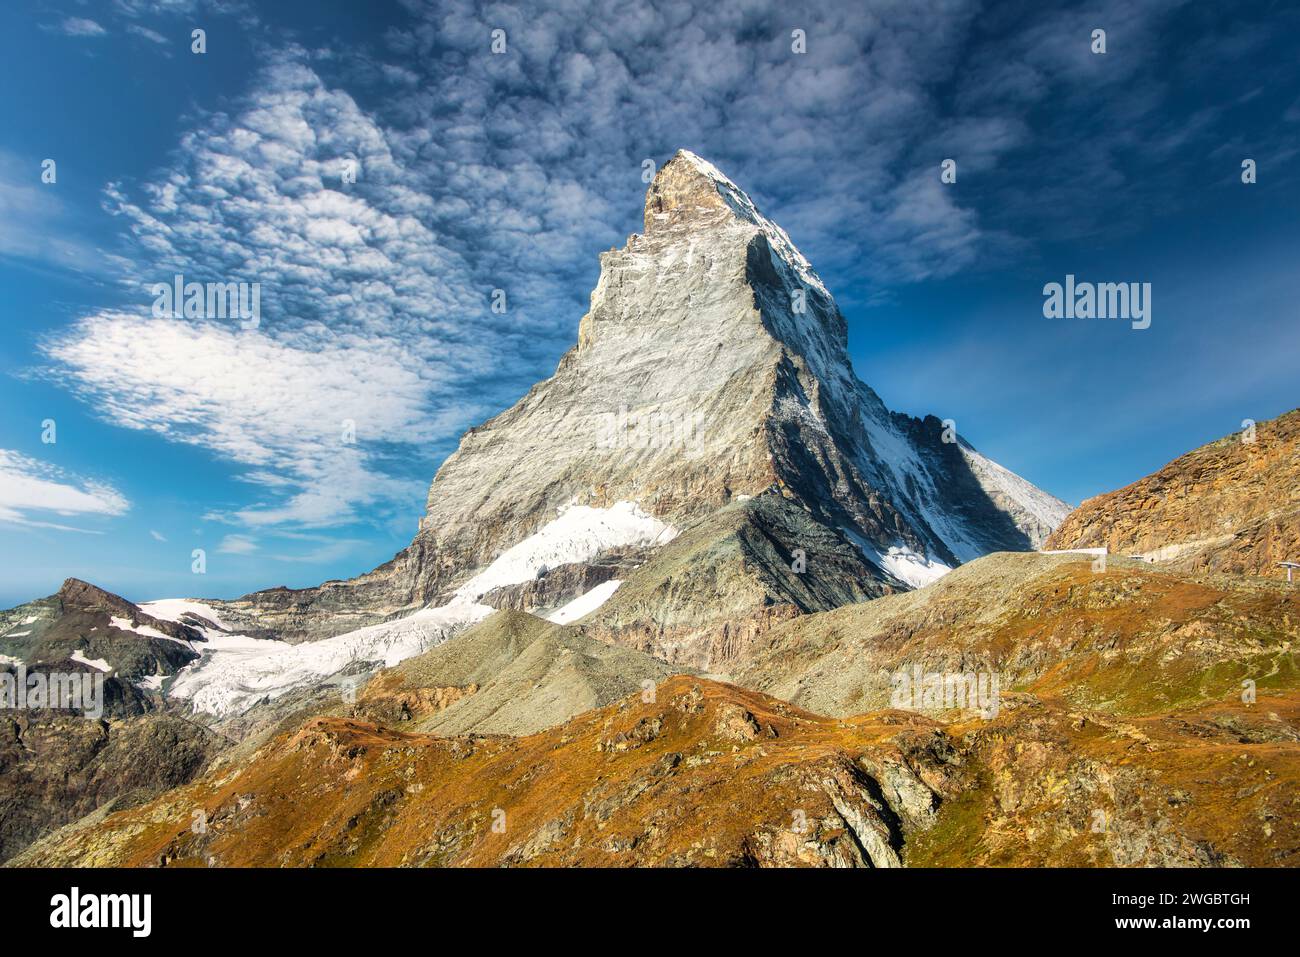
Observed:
{"x":711,"y":367}
{"x":82,"y":594}
{"x":687,"y":187}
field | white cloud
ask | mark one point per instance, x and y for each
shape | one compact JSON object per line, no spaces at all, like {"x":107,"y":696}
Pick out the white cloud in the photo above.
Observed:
{"x":237,"y":545}
{"x":81,"y":27}
{"x":152,"y":36}
{"x":30,"y":488}
{"x":285,"y":410}
{"x":157,"y":536}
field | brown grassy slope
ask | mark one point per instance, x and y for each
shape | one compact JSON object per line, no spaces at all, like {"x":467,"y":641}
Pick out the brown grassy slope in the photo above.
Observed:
{"x":1230,"y":506}
{"x":1132,"y":639}
{"x":708,"y":774}
{"x":1213,"y":786}
{"x":1122,"y":739}
{"x":704,"y":774}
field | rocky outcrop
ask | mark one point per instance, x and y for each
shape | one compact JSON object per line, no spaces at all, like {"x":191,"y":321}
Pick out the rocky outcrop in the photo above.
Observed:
{"x":1048,"y":784}
{"x":91,"y":624}
{"x":1232,"y":506}
{"x":703,"y":599}
{"x":687,"y":789}
{"x":56,"y":768}
{"x":60,"y":763}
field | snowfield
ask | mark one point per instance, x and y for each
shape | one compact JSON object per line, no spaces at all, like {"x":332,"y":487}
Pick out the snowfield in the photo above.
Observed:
{"x":171,"y":609}
{"x":235,"y":672}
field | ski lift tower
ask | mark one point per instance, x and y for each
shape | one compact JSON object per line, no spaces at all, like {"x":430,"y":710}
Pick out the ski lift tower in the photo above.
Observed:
{"x":1290,"y":567}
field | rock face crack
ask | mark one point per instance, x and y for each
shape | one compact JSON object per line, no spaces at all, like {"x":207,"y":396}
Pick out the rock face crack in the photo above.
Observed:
{"x":859,"y":801}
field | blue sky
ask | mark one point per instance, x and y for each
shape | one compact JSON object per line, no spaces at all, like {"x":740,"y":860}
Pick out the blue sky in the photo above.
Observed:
{"x":481,"y":171}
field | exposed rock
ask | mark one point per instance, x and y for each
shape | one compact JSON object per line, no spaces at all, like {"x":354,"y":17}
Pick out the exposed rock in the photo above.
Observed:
{"x":93,"y":624}
{"x":55,"y":767}
{"x":1232,"y":506}
{"x":340,"y":791}
{"x":706,"y":597}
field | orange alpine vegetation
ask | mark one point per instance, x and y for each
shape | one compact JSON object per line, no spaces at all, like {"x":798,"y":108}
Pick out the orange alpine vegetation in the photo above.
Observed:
{"x":708,"y":774}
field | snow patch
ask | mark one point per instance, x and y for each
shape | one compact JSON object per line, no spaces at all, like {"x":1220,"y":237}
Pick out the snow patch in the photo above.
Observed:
{"x":18,"y":634}
{"x":585,"y":603}
{"x":173,"y":609}
{"x":579,"y":534}
{"x":906,"y":565}
{"x":147,"y":631}
{"x":900,"y":561}
{"x":98,"y":664}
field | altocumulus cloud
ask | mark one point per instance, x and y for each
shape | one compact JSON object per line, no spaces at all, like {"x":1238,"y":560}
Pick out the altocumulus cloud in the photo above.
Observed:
{"x":363,"y":340}
{"x":31,"y":491}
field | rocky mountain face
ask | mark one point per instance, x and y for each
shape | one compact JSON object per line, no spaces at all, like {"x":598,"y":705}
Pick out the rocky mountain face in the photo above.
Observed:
{"x":701,"y":600}
{"x":82,"y":623}
{"x":58,"y":764}
{"x":55,"y":767}
{"x":711,"y":366}
{"x":1230,"y":506}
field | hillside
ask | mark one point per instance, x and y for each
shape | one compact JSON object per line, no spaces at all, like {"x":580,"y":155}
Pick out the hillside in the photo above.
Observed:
{"x":1230,"y":506}
{"x":706,"y":774}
